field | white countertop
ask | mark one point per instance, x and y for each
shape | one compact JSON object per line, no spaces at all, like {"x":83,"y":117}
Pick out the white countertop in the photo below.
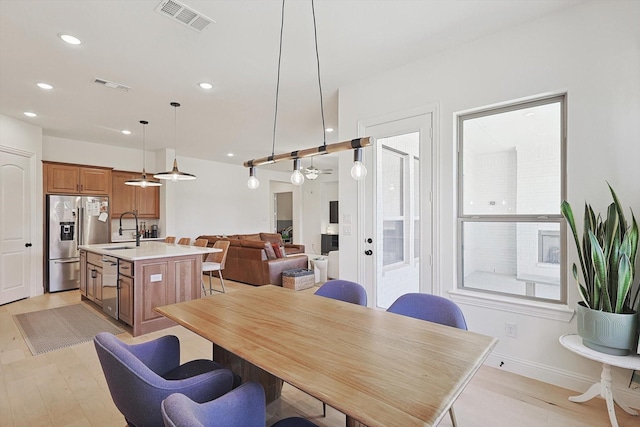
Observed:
{"x":146,"y":250}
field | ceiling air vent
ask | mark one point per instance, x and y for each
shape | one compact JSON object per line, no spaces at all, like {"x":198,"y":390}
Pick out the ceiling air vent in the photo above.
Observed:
{"x":177,"y":11}
{"x":112,"y":85}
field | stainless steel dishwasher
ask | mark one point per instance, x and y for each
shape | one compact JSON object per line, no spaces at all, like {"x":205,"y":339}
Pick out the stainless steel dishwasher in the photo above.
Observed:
{"x":110,"y":285}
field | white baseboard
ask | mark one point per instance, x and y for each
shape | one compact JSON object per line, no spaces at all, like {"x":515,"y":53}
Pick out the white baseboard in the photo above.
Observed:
{"x":558,"y":377}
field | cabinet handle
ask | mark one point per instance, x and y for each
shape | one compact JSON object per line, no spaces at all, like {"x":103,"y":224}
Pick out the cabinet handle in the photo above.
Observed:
{"x":94,"y":274}
{"x":124,"y":267}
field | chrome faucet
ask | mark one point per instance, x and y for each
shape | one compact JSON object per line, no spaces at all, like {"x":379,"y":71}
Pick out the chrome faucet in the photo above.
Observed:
{"x":120,"y":230}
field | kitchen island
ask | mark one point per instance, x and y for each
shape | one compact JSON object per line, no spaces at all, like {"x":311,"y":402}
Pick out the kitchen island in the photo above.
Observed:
{"x":129,"y":281}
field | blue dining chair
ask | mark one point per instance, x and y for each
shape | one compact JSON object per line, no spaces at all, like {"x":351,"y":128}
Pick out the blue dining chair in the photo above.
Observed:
{"x":141,"y":376}
{"x":242,"y":407}
{"x":431,"y":308}
{"x":343,"y":290}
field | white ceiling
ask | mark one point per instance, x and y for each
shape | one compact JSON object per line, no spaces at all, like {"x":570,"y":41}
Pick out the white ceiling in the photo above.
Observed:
{"x":127,"y":42}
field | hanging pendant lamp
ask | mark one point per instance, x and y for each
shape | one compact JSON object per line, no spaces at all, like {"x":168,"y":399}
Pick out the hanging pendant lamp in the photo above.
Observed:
{"x":143,"y":181}
{"x":358,"y":171}
{"x":175,"y":174}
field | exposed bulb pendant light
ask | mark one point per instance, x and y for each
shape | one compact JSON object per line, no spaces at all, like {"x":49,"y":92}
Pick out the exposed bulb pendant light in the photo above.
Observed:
{"x":143,"y":181}
{"x":296,"y":177}
{"x":358,"y":170}
{"x":253,"y":182}
{"x":175,"y":174}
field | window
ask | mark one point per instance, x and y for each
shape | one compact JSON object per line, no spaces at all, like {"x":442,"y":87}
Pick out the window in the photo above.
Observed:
{"x":511,"y":170}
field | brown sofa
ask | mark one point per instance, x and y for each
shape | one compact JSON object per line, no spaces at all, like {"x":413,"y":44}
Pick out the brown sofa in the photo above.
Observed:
{"x":252,"y":259}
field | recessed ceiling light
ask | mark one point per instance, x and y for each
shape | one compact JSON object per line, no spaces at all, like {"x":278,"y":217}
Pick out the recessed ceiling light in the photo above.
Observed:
{"x":205,"y":85}
{"x":45,"y":86}
{"x":30,"y":114}
{"x":69,"y":38}
{"x":126,"y":132}
{"x":329,"y":129}
{"x":529,"y":114}
{"x":230,"y":154}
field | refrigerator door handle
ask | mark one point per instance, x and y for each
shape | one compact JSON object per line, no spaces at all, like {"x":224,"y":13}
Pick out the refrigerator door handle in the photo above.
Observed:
{"x":69,"y":261}
{"x":80,"y":239}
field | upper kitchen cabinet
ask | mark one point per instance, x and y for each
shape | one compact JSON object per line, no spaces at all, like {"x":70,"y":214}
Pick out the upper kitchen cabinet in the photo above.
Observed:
{"x":145,"y":202}
{"x":61,"y":178}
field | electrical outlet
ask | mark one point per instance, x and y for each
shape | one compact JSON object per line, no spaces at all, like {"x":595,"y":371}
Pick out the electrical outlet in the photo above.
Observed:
{"x":511,"y":330}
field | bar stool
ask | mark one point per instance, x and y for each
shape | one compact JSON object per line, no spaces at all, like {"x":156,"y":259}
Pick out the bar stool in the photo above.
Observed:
{"x":217,"y":263}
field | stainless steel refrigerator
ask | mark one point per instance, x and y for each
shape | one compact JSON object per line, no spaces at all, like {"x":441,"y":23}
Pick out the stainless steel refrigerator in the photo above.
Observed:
{"x":72,"y":221}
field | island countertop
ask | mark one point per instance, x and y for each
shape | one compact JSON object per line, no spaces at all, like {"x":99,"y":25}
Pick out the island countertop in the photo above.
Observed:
{"x":147,"y":250}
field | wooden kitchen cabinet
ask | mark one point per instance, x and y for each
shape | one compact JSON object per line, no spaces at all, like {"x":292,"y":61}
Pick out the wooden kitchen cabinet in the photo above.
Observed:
{"x":62,"y":178}
{"x":93,"y":278}
{"x":83,"y":273}
{"x":125,"y":299}
{"x":145,"y":202}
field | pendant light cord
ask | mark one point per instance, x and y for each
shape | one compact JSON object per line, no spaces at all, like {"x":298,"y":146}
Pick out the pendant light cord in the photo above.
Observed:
{"x":275,"y":116}
{"x":143,"y":155}
{"x":315,"y":35}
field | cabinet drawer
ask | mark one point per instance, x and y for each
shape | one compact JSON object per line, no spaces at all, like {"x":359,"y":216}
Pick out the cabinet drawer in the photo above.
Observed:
{"x":95,"y":259}
{"x":126,"y":268}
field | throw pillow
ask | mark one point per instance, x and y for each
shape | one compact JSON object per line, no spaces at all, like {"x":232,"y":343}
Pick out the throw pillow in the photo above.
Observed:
{"x":277,"y":250}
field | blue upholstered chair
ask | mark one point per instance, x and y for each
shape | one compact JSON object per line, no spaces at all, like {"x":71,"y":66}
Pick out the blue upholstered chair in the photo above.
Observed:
{"x":343,"y":290}
{"x":141,"y":376}
{"x":431,"y":308}
{"x":242,"y":407}
{"x":346,"y":291}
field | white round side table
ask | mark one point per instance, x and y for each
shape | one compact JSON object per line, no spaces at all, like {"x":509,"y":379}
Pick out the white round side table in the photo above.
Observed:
{"x":603,"y":389}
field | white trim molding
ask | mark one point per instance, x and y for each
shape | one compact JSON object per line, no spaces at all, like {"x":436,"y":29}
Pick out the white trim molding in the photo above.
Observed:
{"x":559,"y":377}
{"x":543,"y":310}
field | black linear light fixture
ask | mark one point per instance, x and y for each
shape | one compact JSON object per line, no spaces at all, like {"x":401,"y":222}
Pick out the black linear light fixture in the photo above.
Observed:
{"x":358,"y":171}
{"x":143,"y":181}
{"x":175,"y":174}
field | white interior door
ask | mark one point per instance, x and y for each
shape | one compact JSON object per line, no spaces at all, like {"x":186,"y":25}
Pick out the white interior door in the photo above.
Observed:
{"x":398,"y":209}
{"x":15,"y":226}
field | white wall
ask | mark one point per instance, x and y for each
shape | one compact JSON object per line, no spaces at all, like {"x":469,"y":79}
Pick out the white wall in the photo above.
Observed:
{"x":591,"y":52}
{"x":219,"y":201}
{"x":26,"y":137}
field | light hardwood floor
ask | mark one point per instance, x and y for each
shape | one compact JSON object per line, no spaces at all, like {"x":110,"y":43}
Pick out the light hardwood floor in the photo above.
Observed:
{"x":67,"y":388}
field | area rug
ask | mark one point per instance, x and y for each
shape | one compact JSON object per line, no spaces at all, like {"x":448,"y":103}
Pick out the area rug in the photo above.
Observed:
{"x":61,"y":327}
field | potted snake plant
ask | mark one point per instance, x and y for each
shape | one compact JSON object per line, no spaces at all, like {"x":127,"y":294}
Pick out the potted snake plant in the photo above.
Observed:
{"x":607,"y":254}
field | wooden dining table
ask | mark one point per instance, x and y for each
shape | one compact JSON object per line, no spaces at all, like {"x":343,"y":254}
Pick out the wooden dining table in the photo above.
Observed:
{"x":378,"y":368}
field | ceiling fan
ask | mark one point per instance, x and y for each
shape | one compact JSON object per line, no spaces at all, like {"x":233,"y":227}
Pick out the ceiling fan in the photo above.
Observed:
{"x":313,"y":172}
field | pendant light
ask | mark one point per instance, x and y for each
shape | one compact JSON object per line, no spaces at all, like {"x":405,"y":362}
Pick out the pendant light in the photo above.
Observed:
{"x":296,"y":177}
{"x":253,"y":182}
{"x":143,"y":181}
{"x":175,"y":174}
{"x":358,"y":171}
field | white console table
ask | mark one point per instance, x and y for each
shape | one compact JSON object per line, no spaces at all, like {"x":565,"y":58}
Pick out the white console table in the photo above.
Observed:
{"x":603,"y":388}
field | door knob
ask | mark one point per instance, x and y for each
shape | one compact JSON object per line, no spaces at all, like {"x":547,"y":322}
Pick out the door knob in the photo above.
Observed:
{"x":368,"y":252}
{"x":27,"y":245}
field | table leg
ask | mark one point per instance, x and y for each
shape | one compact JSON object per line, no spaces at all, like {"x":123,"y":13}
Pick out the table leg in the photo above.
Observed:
{"x":604,"y":389}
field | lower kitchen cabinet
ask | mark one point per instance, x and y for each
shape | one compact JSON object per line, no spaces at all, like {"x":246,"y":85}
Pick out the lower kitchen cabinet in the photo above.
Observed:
{"x":125,"y":303}
{"x":143,"y":285}
{"x":91,"y":277}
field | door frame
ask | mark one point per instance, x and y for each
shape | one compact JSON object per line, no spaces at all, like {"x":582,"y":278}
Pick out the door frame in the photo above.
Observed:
{"x":432,"y":194}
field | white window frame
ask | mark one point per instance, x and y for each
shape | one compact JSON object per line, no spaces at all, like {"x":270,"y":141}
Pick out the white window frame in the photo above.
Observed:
{"x":502,"y":301}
